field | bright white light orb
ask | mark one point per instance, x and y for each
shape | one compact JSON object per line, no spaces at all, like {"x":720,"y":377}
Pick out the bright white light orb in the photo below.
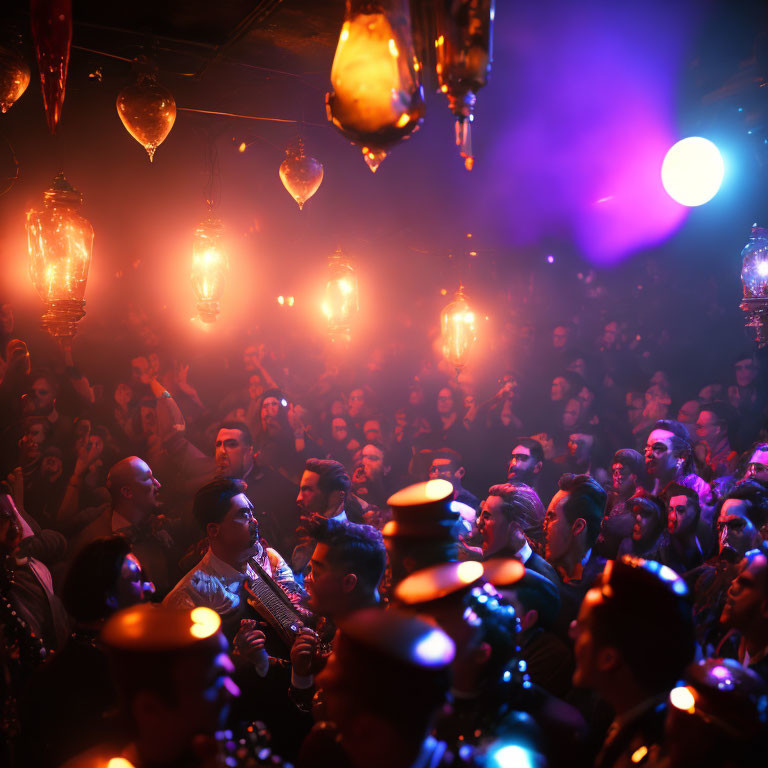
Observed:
{"x":693,"y":171}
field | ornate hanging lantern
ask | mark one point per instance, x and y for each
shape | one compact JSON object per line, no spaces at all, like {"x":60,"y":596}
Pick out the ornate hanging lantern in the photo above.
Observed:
{"x":60,"y":242}
{"x":209,"y":267}
{"x":377,"y":99}
{"x":464,"y":30}
{"x":457,"y":324}
{"x":341,"y":297}
{"x":754,"y":277}
{"x":147,"y":110}
{"x":52,"y":33}
{"x":301,"y":175}
{"x":14,"y":78}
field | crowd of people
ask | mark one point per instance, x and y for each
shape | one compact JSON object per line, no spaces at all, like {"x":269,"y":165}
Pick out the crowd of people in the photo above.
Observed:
{"x":387,"y":564}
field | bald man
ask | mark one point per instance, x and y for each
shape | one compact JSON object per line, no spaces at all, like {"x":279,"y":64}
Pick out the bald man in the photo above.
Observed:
{"x":134,"y":492}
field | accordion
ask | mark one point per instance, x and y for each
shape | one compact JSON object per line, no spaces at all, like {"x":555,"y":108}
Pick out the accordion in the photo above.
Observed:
{"x":272,"y":603}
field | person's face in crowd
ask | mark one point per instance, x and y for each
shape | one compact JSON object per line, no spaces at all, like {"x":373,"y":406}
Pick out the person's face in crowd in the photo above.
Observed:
{"x":681,"y":516}
{"x":445,"y":403}
{"x":660,"y":379}
{"x":591,"y":664}
{"x":148,"y":420}
{"x":579,"y":365}
{"x":657,"y":402}
{"x":10,"y":530}
{"x":251,"y":358}
{"x":270,"y":409}
{"x":42,"y":391}
{"x":233,"y":457}
{"x":635,"y":406}
{"x":373,"y":463}
{"x":130,"y":588}
{"x":660,"y":461}
{"x":710,"y":393}
{"x":470,"y":401}
{"x":401,"y":419}
{"x":123,"y":395}
{"x":558,"y":531}
{"x":523,"y":467}
{"x":571,"y":413}
{"x":140,"y":370}
{"x":507,"y":414}
{"x":356,"y":403}
{"x":416,"y":396}
{"x":757,"y":469}
{"x":559,"y":389}
{"x":6,"y":319}
{"x":580,"y":446}
{"x":254,"y":386}
{"x":372,"y":431}
{"x":735,"y":531}
{"x":746,"y":605}
{"x":746,"y":372}
{"x":586,"y":397}
{"x":311,"y":499}
{"x":443,"y":469}
{"x":547,"y":443}
{"x":709,"y":429}
{"x":689,"y":412}
{"x":142,"y":489}
{"x":328,"y":584}
{"x":734,"y":396}
{"x":622,"y":479}
{"x":645,"y":524}
{"x":338,"y":408}
{"x":36,"y":432}
{"x":51,"y":468}
{"x":339,"y":430}
{"x":236,"y":538}
{"x":610,"y":334}
{"x":560,"y":337}
{"x":493,"y":526}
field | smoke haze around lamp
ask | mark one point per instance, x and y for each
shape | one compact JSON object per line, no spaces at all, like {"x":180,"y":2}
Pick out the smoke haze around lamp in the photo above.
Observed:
{"x":692,"y":171}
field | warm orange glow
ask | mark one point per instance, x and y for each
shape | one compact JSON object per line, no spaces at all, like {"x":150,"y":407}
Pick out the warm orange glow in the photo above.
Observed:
{"x":205,"y":622}
{"x":148,"y":112}
{"x":340,"y":304}
{"x":376,"y":99}
{"x":14,"y":80}
{"x":60,"y":242}
{"x":281,"y":300}
{"x":457,"y":323}
{"x":243,"y":146}
{"x":209,"y":267}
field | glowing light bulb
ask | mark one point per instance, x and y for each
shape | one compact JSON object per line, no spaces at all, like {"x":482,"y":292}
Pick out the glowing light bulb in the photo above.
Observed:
{"x":692,"y":171}
{"x":205,"y":622}
{"x":682,"y":698}
{"x":435,"y":648}
{"x":209,"y":267}
{"x":301,"y":175}
{"x":341,"y":302}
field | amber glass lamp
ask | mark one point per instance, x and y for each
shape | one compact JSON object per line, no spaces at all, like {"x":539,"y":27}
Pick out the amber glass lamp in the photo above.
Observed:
{"x":301,"y":175}
{"x":377,"y":99}
{"x":464,"y":32}
{"x":60,"y":243}
{"x":457,"y":324}
{"x":341,"y":295}
{"x":209,"y":267}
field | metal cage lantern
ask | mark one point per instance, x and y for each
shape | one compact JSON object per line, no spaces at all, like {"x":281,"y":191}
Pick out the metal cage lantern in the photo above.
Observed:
{"x":60,"y":243}
{"x":457,"y":324}
{"x":209,"y":267}
{"x":341,"y":295}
